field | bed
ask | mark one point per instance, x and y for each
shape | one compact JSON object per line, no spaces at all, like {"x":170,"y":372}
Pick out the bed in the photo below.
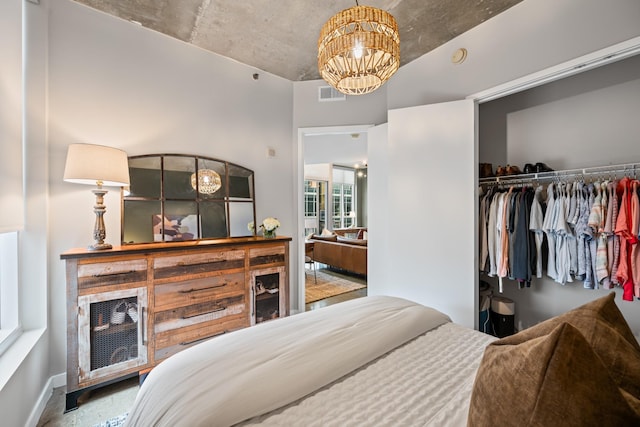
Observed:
{"x":381,"y":361}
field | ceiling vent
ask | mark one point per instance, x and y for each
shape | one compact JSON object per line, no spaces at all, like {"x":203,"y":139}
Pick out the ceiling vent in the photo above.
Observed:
{"x":327,"y":93}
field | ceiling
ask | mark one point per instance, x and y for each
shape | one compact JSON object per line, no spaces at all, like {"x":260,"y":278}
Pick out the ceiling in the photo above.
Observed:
{"x":280,"y":37}
{"x":345,"y":148}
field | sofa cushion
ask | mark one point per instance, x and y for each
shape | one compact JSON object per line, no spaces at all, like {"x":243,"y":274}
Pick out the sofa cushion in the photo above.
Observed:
{"x":326,"y":232}
{"x":531,"y":368}
{"x":352,"y":241}
{"x":332,"y":238}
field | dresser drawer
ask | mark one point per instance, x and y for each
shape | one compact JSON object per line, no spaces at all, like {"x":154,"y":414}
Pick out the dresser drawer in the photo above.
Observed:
{"x":198,"y":263}
{"x":91,"y":275}
{"x":197,"y":291}
{"x":173,"y":341}
{"x":266,"y":255}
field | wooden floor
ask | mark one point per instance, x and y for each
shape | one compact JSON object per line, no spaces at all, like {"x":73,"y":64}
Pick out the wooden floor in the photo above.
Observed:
{"x":342,"y":297}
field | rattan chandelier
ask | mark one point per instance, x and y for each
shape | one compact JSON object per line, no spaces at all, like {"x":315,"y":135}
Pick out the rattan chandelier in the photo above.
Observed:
{"x":208,"y":181}
{"x":359,"y":49}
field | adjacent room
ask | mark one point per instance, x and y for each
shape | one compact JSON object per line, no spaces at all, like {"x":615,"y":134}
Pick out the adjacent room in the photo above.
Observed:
{"x":335,"y":214}
{"x":244,"y":213}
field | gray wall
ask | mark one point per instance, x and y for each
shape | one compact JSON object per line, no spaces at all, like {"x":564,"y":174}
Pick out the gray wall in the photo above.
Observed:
{"x":590,"y":119}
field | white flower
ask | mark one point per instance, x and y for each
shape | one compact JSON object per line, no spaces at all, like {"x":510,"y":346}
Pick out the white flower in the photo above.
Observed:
{"x":270,"y":224}
{"x":251,"y":226}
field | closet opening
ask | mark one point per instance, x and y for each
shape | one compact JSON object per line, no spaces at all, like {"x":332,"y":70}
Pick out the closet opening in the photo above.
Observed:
{"x":578,"y":119}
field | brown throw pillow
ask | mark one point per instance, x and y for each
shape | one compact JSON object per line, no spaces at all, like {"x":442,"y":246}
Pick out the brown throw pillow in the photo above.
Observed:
{"x":606,"y":330}
{"x":550,"y":380}
{"x":607,"y":334}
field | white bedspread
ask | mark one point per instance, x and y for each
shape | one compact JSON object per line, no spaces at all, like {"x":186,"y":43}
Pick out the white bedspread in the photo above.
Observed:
{"x":256,"y":370}
{"x":425,"y":382}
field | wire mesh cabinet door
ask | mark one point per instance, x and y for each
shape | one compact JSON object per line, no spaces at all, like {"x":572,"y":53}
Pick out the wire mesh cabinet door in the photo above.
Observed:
{"x":268,"y":290}
{"x":111,"y":332}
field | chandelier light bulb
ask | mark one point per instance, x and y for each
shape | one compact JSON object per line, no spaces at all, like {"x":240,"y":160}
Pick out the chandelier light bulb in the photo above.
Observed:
{"x":358,"y":50}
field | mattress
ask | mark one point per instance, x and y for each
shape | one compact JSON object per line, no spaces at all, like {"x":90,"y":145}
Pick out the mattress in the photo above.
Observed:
{"x":425,"y":382}
{"x":372,"y":361}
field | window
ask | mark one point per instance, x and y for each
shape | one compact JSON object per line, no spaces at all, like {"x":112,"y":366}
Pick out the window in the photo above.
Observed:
{"x":310,"y":207}
{"x":315,"y":206}
{"x":9,"y":325}
{"x":343,"y":202}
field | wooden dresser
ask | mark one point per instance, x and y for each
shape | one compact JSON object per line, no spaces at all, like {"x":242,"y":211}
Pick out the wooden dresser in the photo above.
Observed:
{"x":130,"y":307}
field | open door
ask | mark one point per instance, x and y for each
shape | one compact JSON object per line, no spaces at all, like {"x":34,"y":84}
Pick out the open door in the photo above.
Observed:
{"x":418,"y":258}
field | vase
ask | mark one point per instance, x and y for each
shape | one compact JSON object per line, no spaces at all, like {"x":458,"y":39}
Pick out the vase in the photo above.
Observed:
{"x":269,"y":234}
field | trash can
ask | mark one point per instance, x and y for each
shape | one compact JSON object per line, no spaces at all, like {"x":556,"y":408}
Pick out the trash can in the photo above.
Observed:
{"x":503,"y":312}
{"x":484,"y":324}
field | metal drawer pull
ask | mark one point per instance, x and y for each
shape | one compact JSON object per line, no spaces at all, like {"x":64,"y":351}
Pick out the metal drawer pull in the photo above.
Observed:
{"x":122,"y":273}
{"x":206,"y":312}
{"x":203,"y":339}
{"x":201,"y":289}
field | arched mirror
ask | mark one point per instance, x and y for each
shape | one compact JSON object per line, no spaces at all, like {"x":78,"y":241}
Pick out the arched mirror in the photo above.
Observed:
{"x":174,"y":197}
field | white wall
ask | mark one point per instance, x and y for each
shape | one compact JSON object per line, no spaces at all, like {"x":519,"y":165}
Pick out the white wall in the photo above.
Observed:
{"x":586,"y":120}
{"x":25,"y":364}
{"x":112,"y":82}
{"x":530,"y":36}
{"x":356,"y":110}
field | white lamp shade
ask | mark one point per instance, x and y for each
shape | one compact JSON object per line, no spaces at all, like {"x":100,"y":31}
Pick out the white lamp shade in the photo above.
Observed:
{"x":91,"y":164}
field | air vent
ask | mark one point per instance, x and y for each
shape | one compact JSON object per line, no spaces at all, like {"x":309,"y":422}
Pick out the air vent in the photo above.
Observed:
{"x":327,"y":93}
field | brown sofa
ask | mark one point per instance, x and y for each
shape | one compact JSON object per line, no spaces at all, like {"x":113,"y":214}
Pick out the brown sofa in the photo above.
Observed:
{"x":340,"y":252}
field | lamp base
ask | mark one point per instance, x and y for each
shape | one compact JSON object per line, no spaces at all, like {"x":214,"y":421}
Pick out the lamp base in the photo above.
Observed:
{"x":100,"y":246}
{"x":99,"y":232}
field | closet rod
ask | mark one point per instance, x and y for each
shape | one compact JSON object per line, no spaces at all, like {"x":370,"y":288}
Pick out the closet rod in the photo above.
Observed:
{"x":539,"y":176}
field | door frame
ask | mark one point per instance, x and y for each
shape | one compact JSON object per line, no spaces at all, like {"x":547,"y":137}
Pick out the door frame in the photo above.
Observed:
{"x":299,"y":195}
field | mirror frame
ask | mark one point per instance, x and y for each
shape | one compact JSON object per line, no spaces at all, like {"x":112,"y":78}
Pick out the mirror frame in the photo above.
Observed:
{"x":196,"y":201}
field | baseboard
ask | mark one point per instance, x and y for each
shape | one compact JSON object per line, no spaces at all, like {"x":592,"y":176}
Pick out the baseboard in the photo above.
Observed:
{"x":53,"y":382}
{"x":59,"y":380}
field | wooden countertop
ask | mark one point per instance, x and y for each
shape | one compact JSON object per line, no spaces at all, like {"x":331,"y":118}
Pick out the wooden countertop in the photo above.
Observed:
{"x":167,"y":246}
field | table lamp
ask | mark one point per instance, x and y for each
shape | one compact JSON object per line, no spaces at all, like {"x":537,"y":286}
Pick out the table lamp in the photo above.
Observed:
{"x":101,"y":166}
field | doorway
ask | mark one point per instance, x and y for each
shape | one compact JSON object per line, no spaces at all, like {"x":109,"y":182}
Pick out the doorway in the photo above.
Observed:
{"x":336,"y":145}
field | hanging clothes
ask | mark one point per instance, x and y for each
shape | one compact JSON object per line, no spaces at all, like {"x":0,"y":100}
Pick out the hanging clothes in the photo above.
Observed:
{"x":613,"y":240}
{"x":548,"y":228}
{"x":623,"y":230}
{"x":635,"y":231}
{"x":523,"y":246}
{"x":588,"y":232}
{"x":596,"y":222}
{"x":535,"y":225}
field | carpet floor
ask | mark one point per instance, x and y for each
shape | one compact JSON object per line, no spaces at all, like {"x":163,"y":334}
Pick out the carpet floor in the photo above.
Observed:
{"x":329,"y":283}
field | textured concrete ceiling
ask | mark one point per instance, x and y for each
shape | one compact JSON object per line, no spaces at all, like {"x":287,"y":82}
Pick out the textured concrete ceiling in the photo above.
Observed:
{"x":281,"y":37}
